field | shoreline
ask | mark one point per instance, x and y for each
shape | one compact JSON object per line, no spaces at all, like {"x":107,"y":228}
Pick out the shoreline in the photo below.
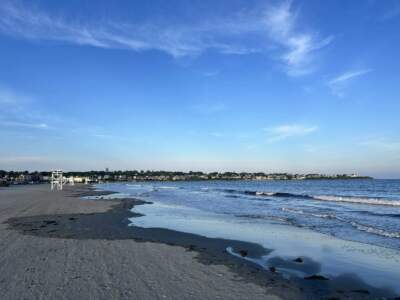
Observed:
{"x":113,"y":225}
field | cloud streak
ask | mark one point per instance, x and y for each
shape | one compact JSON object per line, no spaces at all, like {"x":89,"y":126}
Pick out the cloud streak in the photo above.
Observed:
{"x":176,"y":41}
{"x":273,"y":26}
{"x":338,"y":84}
{"x":283,"y":132}
{"x":24,"y":125}
{"x":348,"y":76}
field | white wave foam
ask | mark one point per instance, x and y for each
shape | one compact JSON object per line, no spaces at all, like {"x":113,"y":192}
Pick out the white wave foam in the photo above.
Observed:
{"x":376,"y":231}
{"x":324,"y":216}
{"x":333,"y":198}
{"x":168,"y":187}
{"x":265,"y":193}
{"x":299,"y":211}
{"x":359,"y":200}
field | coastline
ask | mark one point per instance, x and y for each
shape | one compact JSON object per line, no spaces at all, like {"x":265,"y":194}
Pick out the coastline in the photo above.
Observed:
{"x":108,"y":223}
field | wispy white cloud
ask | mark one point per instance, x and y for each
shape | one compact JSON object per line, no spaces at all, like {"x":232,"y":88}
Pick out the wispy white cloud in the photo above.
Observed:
{"x":300,"y":47}
{"x":24,"y":125}
{"x":349,"y":75}
{"x":282,"y":132}
{"x":177,"y":40}
{"x":339,"y":83}
{"x":273,"y":26}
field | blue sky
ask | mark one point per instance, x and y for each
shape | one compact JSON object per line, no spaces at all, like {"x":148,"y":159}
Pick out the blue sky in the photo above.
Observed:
{"x":289,"y":86}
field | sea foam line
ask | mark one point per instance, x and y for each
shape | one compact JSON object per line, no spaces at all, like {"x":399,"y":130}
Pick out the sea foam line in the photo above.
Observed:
{"x":375,"y":231}
{"x":359,"y":200}
{"x":332,"y":198}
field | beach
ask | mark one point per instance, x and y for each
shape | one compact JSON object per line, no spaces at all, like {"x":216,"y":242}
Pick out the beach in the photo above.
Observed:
{"x":57,"y":245}
{"x":90,"y":267}
{"x":199,"y":150}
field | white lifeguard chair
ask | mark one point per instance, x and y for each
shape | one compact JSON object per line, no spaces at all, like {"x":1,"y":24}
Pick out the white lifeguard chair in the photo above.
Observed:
{"x":57,"y":180}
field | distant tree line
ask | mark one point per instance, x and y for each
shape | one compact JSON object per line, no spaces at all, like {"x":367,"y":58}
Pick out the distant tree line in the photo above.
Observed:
{"x":143,"y":174}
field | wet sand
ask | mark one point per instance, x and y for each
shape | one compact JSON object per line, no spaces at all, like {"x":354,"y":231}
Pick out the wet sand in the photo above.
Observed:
{"x":55,"y":245}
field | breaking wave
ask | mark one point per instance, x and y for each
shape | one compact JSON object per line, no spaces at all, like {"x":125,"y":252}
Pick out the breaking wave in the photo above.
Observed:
{"x":169,"y":187}
{"x":359,"y":200}
{"x":332,"y":198}
{"x":376,"y":231}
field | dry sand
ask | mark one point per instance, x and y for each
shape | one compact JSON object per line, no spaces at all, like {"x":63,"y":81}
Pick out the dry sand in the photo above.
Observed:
{"x":79,"y":267}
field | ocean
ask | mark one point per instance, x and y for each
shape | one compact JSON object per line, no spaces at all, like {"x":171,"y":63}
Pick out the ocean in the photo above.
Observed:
{"x":347,"y":226}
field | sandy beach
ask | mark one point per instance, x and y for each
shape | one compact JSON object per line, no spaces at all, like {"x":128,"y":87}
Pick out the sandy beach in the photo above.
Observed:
{"x":79,"y":267}
{"x":56,"y":245}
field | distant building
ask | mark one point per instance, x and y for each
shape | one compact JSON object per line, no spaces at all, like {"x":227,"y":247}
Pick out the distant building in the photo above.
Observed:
{"x":80,"y":179}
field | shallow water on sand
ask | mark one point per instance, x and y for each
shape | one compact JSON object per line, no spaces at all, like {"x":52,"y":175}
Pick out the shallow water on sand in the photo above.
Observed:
{"x":338,"y":227}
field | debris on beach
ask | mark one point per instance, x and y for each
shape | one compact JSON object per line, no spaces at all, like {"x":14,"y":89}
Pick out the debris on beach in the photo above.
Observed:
{"x":316,"y":277}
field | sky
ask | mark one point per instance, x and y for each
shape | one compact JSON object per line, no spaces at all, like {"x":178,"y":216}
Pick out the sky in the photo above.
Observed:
{"x":272,"y":86}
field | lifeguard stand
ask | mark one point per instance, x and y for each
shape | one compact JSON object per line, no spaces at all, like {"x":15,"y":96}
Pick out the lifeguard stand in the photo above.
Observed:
{"x":57,"y":180}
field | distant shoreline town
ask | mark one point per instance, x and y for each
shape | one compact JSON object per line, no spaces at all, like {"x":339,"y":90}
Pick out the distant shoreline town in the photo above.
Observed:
{"x":25,"y":177}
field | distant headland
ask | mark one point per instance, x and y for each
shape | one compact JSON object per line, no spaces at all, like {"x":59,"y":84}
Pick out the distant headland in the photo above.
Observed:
{"x":23,"y":177}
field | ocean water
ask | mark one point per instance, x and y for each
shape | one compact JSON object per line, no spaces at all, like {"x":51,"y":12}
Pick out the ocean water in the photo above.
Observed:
{"x":346,"y":226}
